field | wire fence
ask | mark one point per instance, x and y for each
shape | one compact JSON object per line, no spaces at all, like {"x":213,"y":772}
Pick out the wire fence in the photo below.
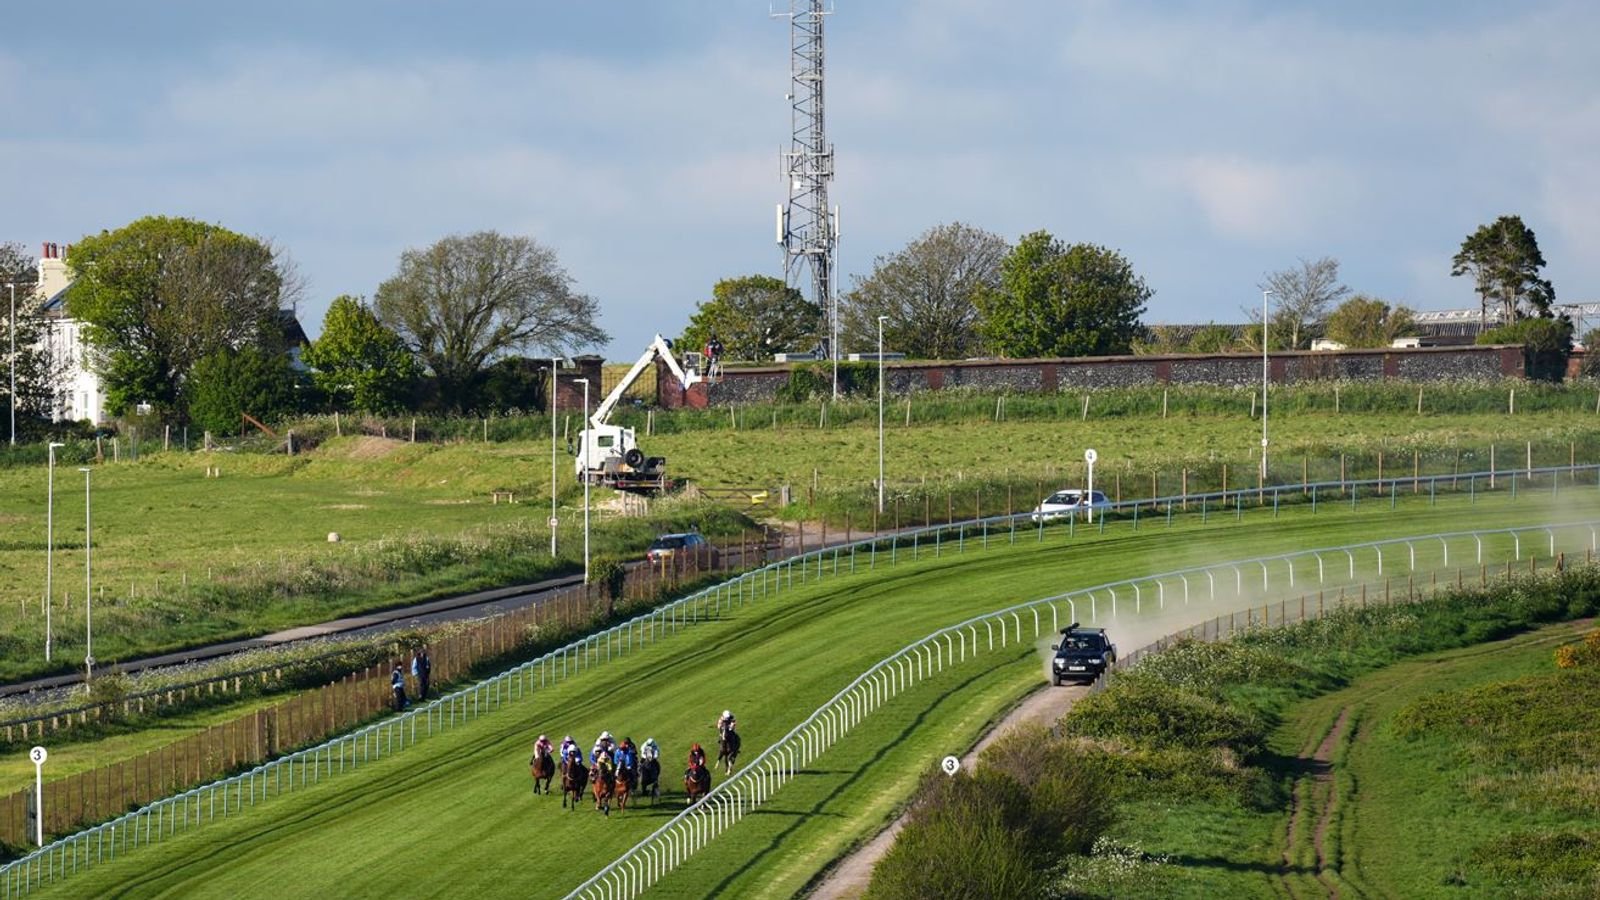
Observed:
{"x":268,"y":777}
{"x":674,"y":842}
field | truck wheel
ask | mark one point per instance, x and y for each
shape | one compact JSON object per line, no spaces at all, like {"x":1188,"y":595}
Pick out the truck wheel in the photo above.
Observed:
{"x":1057,"y":680}
{"x":634,"y":457}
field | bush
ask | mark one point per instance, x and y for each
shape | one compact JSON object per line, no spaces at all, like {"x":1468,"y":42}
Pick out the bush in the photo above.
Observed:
{"x":966,"y":838}
{"x":1147,"y":713}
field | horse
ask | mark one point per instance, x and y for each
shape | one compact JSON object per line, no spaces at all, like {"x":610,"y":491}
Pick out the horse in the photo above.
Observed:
{"x":604,"y":786}
{"x":650,"y":778}
{"x":627,"y":777}
{"x":728,"y":750}
{"x":543,"y":766}
{"x":574,"y":778}
{"x":696,"y":783}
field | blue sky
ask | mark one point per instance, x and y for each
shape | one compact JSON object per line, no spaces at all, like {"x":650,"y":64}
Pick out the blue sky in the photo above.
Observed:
{"x":1209,"y":142}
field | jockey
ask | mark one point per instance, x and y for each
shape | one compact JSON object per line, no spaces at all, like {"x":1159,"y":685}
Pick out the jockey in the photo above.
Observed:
{"x":569,"y":747}
{"x":726,"y":723}
{"x":542,"y":746}
{"x":627,"y":756}
{"x":650,"y":749}
{"x":602,"y":745}
{"x":697,"y":756}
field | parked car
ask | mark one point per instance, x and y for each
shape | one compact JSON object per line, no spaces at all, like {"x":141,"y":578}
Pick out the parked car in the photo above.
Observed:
{"x":687,"y":544}
{"x":1084,"y":654}
{"x":1064,"y":504}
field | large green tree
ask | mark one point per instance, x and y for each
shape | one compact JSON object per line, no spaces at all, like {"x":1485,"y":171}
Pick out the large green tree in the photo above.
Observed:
{"x":1504,"y":261}
{"x":754,"y":316}
{"x":1056,"y":299}
{"x":470,"y":299}
{"x":160,"y":293}
{"x":1364,"y":321}
{"x":229,"y":384}
{"x":927,"y":292}
{"x":358,"y":362}
{"x":37,"y":371}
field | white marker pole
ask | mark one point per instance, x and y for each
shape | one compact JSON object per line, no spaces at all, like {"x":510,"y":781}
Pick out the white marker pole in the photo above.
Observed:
{"x":1089,"y":456}
{"x":38,"y":755}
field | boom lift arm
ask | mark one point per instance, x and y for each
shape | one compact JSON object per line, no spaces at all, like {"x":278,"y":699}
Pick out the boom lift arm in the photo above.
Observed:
{"x":659,"y":348}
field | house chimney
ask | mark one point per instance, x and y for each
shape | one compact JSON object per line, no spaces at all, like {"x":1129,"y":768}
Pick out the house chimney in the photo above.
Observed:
{"x":52,"y":271}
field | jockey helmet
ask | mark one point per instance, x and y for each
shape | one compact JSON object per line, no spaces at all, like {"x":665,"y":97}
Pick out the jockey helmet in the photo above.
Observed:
{"x":696,"y":746}
{"x":605,"y":735}
{"x":567,"y":739}
{"x":543,"y":739}
{"x":727,"y":714}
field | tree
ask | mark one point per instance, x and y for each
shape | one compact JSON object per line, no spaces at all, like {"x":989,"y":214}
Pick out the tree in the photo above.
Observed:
{"x":230,"y":383}
{"x":358,"y":362}
{"x":160,"y":293}
{"x":1060,"y":300}
{"x":469,"y":299}
{"x":37,"y":371}
{"x":1364,"y":321}
{"x":1503,"y":259}
{"x":1302,"y":295}
{"x":927,"y":290}
{"x":754,"y":316}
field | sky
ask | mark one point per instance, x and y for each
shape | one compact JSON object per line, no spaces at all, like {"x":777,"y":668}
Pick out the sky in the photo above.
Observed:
{"x":1209,"y":142}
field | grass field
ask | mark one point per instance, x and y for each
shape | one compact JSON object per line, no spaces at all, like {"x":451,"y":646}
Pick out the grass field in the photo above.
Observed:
{"x":182,"y":559}
{"x":1463,"y":773}
{"x":455,"y":815}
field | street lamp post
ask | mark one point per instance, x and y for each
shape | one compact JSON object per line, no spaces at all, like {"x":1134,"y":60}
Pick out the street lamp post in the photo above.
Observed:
{"x":880,"y":414}
{"x":88,"y":584}
{"x":585,"y":451}
{"x":554,"y":363}
{"x":49,"y":546}
{"x":1264,"y":295}
{"x":11,"y":329}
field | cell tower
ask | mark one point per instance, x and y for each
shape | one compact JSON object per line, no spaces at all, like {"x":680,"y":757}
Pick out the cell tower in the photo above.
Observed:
{"x":807,"y":228}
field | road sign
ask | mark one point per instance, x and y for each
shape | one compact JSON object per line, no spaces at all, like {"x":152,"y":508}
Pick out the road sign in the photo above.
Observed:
{"x":1089,"y":456}
{"x":951,"y":765}
{"x":38,"y":755}
{"x":553,"y":521}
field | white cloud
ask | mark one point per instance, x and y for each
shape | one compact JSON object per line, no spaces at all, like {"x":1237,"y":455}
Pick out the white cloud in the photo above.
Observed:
{"x":1263,"y":201}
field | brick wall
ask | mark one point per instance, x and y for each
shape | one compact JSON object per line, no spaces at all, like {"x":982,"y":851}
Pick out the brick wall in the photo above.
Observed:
{"x":761,"y":384}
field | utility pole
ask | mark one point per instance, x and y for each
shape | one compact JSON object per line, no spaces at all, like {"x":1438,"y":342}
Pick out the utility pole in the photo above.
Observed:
{"x":807,"y":229}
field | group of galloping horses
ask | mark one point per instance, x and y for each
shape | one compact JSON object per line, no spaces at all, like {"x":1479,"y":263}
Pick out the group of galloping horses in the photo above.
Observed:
{"x":613,"y":784}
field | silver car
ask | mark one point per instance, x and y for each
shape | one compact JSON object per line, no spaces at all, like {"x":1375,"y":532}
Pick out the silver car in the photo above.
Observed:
{"x":1065,"y":504}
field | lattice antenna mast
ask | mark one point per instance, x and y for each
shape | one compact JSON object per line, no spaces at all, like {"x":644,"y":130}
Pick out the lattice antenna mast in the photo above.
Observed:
{"x":807,"y":228}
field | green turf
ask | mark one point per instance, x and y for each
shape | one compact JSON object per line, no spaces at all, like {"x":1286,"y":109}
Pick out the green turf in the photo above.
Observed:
{"x":454,"y":813}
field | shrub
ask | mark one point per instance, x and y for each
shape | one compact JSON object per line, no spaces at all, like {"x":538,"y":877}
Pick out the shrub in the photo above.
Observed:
{"x":1150,"y":714}
{"x":962,"y":841}
{"x":1571,"y":656}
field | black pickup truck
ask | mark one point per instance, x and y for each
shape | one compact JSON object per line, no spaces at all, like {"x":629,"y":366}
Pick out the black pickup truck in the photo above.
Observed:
{"x":1083,"y":655}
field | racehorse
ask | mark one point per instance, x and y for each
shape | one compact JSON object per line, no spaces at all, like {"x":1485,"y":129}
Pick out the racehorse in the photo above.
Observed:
{"x":574,"y":778}
{"x":627,"y":777}
{"x":696,"y":783}
{"x":604,"y":785}
{"x":543,"y":766}
{"x":650,"y":778}
{"x":728,"y":750}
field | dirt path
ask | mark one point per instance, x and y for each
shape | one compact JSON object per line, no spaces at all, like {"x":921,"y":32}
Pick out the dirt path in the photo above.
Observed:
{"x":849,"y":877}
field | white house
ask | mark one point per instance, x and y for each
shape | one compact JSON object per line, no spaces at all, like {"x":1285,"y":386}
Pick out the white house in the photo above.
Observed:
{"x":79,"y":393}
